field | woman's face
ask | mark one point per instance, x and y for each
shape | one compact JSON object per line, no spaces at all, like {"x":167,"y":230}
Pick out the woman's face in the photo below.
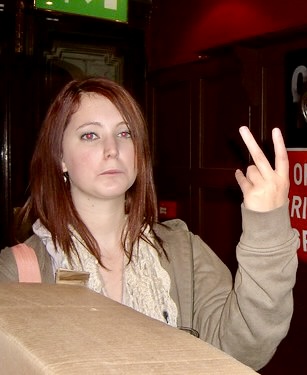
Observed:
{"x":98,"y":152}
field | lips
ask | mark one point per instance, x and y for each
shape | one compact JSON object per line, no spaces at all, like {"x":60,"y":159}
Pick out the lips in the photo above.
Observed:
{"x":111,"y":172}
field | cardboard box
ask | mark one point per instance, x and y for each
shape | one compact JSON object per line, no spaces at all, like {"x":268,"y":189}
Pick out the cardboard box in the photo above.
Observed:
{"x":66,"y":329}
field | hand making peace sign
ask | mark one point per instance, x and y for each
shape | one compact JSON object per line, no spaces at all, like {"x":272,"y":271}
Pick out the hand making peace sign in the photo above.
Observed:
{"x":263,"y":187}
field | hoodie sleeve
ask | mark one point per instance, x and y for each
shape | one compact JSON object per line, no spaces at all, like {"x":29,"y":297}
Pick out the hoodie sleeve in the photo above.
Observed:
{"x":248,"y":317}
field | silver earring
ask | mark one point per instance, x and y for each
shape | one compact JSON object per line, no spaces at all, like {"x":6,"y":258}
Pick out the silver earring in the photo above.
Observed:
{"x":65,"y":177}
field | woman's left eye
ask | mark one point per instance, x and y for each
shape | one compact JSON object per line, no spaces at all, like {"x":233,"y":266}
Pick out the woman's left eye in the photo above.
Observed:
{"x":89,"y":136}
{"x":125,"y":134}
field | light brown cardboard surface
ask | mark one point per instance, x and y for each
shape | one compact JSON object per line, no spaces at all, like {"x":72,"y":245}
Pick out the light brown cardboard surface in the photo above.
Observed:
{"x":63,"y":329}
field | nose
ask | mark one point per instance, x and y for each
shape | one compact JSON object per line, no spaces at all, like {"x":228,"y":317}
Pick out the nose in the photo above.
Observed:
{"x":110,"y":147}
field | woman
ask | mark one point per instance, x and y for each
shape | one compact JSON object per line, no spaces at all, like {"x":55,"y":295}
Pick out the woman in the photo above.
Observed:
{"x":94,"y":206}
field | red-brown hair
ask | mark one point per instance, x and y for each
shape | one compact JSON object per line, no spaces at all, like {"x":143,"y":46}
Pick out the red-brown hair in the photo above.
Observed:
{"x":50,"y":199}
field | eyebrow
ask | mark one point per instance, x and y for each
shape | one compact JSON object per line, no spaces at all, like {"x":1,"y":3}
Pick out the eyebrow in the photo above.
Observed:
{"x":97,"y":123}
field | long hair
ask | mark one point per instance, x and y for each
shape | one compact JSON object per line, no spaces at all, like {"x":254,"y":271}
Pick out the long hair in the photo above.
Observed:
{"x":50,"y":198}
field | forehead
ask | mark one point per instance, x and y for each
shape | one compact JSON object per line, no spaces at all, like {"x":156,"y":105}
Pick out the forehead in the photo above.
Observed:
{"x":93,"y":106}
{"x":92,"y":99}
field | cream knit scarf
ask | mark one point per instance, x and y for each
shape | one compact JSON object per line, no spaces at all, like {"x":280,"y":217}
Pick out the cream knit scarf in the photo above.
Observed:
{"x":146,"y":284}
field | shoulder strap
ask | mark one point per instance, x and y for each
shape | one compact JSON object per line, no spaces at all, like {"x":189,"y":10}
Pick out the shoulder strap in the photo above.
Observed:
{"x":27,"y":264}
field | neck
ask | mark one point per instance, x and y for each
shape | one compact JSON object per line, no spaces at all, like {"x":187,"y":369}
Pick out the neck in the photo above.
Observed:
{"x":106,"y":221}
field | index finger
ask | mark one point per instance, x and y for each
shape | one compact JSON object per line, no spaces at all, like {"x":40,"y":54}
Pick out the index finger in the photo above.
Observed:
{"x":257,"y":154}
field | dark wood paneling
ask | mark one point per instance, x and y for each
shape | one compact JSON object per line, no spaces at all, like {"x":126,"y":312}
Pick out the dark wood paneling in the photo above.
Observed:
{"x":34,"y":45}
{"x":224,"y":108}
{"x":7,"y":37}
{"x":196,"y":110}
{"x":173,"y":125}
{"x":242,"y":84}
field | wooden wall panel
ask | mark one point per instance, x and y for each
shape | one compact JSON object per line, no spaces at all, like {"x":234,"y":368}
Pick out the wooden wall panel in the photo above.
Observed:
{"x":206,"y":103}
{"x":172,"y":154}
{"x":243,"y":84}
{"x":34,"y":65}
{"x":220,"y":221}
{"x":6,"y":105}
{"x":224,"y":108}
{"x":173,"y":125}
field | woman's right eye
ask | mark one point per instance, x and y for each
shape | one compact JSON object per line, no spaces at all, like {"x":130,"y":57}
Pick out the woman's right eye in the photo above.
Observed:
{"x":89,"y":136}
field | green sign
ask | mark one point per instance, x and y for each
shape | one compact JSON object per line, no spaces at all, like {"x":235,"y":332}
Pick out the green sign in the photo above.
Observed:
{"x":115,"y":10}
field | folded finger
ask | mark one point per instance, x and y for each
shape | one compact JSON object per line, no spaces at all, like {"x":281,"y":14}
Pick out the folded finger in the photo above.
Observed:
{"x":242,"y":180}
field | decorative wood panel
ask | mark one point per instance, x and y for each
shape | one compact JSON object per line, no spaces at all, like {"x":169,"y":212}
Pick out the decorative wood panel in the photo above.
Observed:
{"x":40,"y":52}
{"x":172,"y":154}
{"x":245,"y":84}
{"x":196,"y":112}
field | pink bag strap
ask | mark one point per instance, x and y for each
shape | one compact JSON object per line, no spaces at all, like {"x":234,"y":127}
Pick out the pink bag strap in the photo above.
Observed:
{"x":27,"y":264}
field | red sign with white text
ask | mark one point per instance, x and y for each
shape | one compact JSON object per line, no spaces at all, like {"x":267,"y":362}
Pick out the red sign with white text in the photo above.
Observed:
{"x":298,"y":196}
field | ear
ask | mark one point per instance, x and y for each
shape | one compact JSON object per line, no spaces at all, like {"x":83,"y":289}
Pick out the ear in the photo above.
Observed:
{"x":64,"y":166}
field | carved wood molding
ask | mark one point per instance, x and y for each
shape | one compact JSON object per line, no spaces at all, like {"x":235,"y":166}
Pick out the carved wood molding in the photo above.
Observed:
{"x":82,"y":61}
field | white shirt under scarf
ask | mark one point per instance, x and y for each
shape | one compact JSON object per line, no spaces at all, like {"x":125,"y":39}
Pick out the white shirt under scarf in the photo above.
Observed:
{"x":146,"y":284}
